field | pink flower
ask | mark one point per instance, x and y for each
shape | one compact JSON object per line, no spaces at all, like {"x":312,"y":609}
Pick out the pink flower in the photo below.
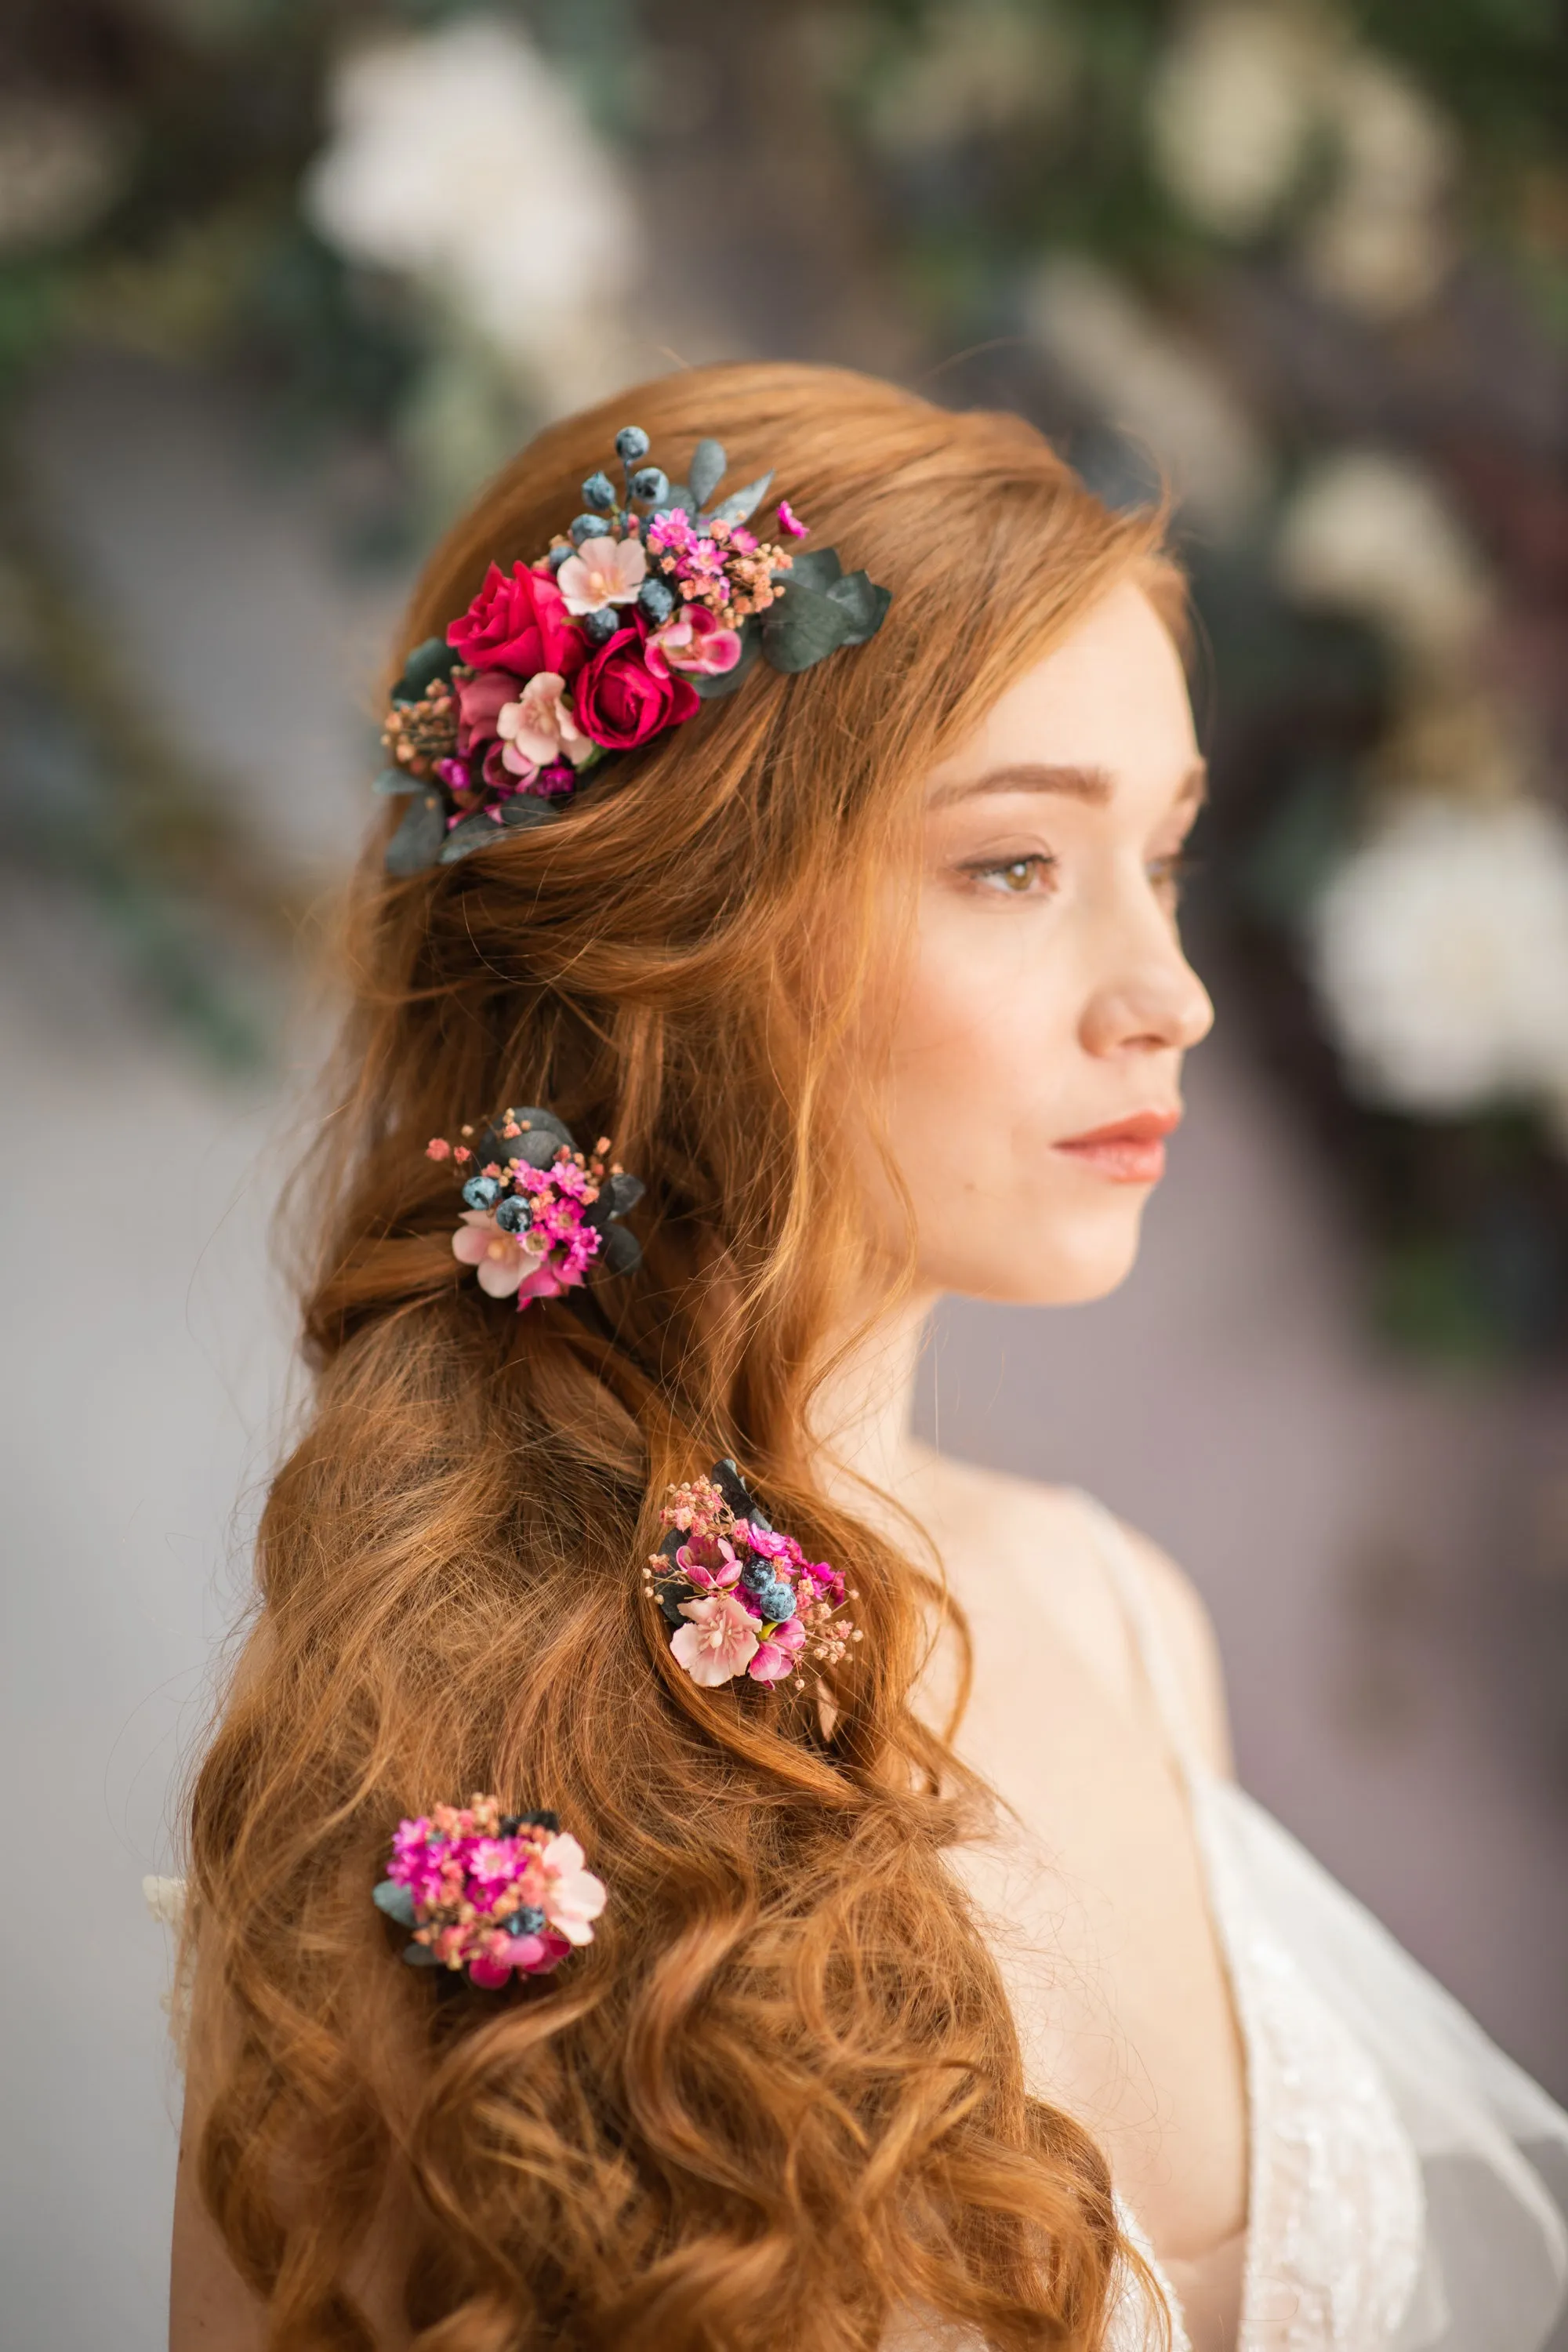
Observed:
{"x":719,"y":1640}
{"x":538,"y":729}
{"x":710,"y":1563}
{"x":602,"y":572}
{"x":480,"y":699}
{"x":695,"y":640}
{"x":519,"y":624}
{"x":574,"y":1897}
{"x":620,"y":700}
{"x":486,"y":1969}
{"x":790,"y":521}
{"x":505,"y":1261}
{"x":775,"y":1658}
{"x":438,"y":1149}
{"x":535,"y":1955}
{"x":766,"y":1543}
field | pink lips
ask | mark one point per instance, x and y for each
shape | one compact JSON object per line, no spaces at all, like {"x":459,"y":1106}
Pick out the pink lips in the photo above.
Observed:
{"x":1131,"y":1151}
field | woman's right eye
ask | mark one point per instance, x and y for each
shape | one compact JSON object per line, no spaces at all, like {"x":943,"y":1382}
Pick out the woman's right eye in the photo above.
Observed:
{"x":1016,"y":877}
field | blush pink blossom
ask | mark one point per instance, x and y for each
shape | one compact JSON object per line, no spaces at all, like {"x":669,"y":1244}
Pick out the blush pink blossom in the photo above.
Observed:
{"x":479,"y":698}
{"x":538,"y":729}
{"x":717,"y":1641}
{"x":695,"y":641}
{"x":602,"y":572}
{"x":574,"y":1897}
{"x":505,"y":1261}
{"x":776,"y":1656}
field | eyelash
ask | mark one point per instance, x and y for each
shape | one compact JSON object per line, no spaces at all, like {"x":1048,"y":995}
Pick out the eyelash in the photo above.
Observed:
{"x":1172,"y":872}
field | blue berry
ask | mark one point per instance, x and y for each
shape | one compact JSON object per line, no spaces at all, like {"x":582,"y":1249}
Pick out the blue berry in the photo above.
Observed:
{"x":512,"y":1216}
{"x":756,"y":1574}
{"x":600,"y":627}
{"x":631,"y":444}
{"x":482,"y":1191}
{"x":651,"y":482}
{"x":526,"y":1922}
{"x":559,"y":555}
{"x":656,"y":599}
{"x":588,"y":526}
{"x":776,"y":1601}
{"x":599,"y":493}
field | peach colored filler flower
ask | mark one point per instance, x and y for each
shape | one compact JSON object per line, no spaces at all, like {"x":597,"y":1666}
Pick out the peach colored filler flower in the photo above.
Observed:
{"x":717,"y":1643}
{"x":505,"y":1261}
{"x":539,"y":728}
{"x":602,"y":572}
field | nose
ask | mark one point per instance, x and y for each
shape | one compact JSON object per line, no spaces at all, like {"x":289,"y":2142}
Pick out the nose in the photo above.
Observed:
{"x":1152,"y":1003}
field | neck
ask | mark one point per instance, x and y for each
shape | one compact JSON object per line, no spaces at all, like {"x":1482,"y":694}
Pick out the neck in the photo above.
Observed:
{"x":863,"y":1409}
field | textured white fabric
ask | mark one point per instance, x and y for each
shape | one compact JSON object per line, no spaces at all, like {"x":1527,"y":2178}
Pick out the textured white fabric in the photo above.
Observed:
{"x":1403,"y":2170}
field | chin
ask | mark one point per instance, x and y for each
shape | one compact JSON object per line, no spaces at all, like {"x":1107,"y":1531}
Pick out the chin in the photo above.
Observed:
{"x":1068,"y":1263}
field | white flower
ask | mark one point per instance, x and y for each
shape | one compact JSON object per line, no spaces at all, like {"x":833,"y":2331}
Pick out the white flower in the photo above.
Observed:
{"x":1378,"y":245}
{"x":604,"y":571}
{"x":458,"y":158}
{"x":539,"y":728}
{"x":61,"y":166}
{"x":1230,"y":108}
{"x":1161,"y":390}
{"x":974,"y":67}
{"x":1440,"y":951}
{"x":1371,"y":533}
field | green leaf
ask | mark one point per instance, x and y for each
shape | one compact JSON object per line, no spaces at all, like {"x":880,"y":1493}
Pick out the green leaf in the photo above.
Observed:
{"x":395,"y":1901}
{"x":743,"y":504}
{"x":679,"y":501}
{"x":865,"y":605}
{"x":526,"y":810}
{"x":392,"y":782}
{"x":713,"y":689}
{"x":431,"y":659}
{"x":708,"y":464}
{"x":802,"y":628}
{"x":818,"y":569}
{"x":476,"y":832}
{"x":417,"y":842}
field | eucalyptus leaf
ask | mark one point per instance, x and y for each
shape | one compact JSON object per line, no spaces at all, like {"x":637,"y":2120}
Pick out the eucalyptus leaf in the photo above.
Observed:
{"x":418,"y":840}
{"x":392,"y":782}
{"x":743,"y":504}
{"x":681,"y":501}
{"x":620,"y":1252}
{"x":420,"y":1956}
{"x":714,"y":685}
{"x":708,"y":464}
{"x":865,"y":605}
{"x":431,"y":659}
{"x":395,"y":1901}
{"x":817,"y":567}
{"x":524,"y":811}
{"x":476,"y":832}
{"x":623,"y":1192}
{"x":802,"y":627}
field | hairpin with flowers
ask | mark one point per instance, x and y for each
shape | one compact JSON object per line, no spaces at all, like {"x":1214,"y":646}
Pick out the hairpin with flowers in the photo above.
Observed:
{"x":744,"y":1599}
{"x":646,"y":607}
{"x":540,"y":1213}
{"x":497,"y":1893}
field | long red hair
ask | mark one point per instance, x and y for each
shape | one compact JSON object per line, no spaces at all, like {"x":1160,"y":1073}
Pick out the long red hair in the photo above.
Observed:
{"x":782,"y":2095}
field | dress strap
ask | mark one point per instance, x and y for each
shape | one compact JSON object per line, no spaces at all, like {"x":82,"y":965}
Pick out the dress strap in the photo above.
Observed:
{"x":1144,"y":1631}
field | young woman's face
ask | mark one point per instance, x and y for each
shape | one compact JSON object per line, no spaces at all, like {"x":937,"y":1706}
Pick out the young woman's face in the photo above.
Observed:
{"x":1037,"y":1046}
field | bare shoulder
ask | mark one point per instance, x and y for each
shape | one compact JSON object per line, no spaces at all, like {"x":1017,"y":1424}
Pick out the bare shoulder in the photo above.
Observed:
{"x":1187,"y":1631}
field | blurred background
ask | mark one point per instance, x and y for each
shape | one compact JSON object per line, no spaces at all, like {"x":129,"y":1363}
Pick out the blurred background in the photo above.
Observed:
{"x":280,"y":284}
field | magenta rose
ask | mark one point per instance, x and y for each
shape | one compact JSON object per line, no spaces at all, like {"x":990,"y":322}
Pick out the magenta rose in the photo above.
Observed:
{"x":619,"y":702}
{"x":519,"y":625}
{"x":481,"y":700}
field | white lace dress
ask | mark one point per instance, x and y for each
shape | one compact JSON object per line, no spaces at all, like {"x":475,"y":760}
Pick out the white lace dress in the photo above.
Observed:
{"x":1407,"y":2181}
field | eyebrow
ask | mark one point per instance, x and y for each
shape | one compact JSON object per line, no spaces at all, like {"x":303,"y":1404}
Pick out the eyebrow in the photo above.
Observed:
{"x":1091,"y":784}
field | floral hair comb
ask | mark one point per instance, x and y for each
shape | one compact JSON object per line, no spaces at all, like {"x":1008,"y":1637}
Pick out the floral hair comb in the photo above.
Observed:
{"x":538,"y":1213}
{"x":745,"y":1598}
{"x":648,"y":606}
{"x":497,"y":1893}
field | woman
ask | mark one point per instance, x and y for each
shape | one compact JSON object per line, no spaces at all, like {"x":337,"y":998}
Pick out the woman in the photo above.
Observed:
{"x":944,"y":1989}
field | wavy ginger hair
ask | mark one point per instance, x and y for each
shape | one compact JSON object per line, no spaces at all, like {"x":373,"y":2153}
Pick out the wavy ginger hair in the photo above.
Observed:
{"x":781,"y":2096}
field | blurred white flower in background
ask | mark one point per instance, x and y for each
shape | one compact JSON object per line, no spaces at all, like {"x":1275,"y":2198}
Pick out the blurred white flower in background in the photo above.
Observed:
{"x":1440,"y":953}
{"x":1230,"y":108}
{"x":981,"y":66}
{"x":1372,"y":534}
{"x":1246,"y":95}
{"x":458,"y":158}
{"x":1379,"y":243}
{"x":1153,"y":385}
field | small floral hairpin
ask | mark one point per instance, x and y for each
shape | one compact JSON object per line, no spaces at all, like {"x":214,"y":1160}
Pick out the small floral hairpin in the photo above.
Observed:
{"x":647,"y":607}
{"x":540,"y":1213}
{"x":497,"y":1893}
{"x":745,"y":1598}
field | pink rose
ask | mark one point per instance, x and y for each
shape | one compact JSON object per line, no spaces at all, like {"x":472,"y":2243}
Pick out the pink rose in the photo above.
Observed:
{"x":519,"y":625}
{"x":480,"y":701}
{"x":696,"y":640}
{"x":775,"y":1658}
{"x":621,"y":702}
